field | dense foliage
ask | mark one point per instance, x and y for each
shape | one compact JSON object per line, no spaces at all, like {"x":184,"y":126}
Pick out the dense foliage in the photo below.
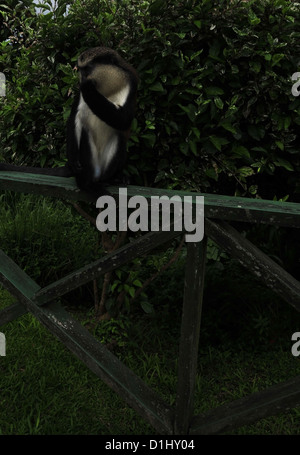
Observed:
{"x":215,"y":108}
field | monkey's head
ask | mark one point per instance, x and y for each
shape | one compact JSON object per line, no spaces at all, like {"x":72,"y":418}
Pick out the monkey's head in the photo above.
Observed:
{"x":106,"y":68}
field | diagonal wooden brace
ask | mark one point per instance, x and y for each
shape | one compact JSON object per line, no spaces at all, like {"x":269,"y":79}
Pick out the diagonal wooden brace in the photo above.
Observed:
{"x":11,"y":313}
{"x":251,"y":257}
{"x":81,"y":343}
{"x":109,"y":262}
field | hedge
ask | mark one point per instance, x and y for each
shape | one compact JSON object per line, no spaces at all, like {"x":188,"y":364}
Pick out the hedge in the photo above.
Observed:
{"x":215,"y":113}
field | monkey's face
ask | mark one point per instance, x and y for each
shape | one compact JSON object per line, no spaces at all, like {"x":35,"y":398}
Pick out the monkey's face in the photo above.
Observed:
{"x":108,"y":79}
{"x":90,"y":59}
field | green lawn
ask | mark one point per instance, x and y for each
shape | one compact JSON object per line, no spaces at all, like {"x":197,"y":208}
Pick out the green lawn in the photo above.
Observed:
{"x":46,"y":390}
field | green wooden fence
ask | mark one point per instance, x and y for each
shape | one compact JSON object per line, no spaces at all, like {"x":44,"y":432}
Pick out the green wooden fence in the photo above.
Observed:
{"x":219,"y":211}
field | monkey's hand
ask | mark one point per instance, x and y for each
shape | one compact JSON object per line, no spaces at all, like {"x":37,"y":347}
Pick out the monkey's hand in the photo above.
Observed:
{"x":118,"y":117}
{"x":87,"y":87}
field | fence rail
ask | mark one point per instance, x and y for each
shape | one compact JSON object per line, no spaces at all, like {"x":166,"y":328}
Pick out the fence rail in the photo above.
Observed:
{"x":219,"y":211}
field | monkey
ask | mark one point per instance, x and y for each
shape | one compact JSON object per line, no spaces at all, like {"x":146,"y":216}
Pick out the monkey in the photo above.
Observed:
{"x":99,"y":123}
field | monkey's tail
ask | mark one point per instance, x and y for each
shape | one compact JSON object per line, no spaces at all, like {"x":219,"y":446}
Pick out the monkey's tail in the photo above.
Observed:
{"x":63,"y":171}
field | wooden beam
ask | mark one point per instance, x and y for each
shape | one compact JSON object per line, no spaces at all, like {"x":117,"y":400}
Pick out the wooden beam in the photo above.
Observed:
{"x":45,"y":185}
{"x":12,"y":277}
{"x":258,"y":263}
{"x":190,"y":331}
{"x":109,"y":262}
{"x":11,"y":313}
{"x":274,"y":400}
{"x":232,"y":208}
{"x":222,"y":207}
{"x":94,"y":355}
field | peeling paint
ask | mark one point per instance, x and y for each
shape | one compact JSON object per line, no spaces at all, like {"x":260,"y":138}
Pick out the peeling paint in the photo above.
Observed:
{"x":64,"y":324}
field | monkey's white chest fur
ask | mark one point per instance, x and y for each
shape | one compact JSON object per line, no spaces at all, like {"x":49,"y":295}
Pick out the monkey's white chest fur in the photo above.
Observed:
{"x":103,"y":139}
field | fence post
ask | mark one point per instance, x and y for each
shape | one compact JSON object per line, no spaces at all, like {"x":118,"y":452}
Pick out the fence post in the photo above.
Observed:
{"x":190,"y":331}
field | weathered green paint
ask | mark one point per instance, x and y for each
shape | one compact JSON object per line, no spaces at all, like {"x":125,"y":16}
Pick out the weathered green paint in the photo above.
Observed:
{"x":45,"y":185}
{"x":216,"y":206}
{"x":13,"y":277}
{"x":190,"y":330}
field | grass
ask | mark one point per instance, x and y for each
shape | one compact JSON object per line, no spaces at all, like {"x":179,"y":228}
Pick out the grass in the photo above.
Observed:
{"x":245,"y":346}
{"x":46,"y":390}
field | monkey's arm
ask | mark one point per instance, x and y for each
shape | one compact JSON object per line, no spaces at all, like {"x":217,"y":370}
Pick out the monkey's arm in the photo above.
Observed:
{"x":118,"y":117}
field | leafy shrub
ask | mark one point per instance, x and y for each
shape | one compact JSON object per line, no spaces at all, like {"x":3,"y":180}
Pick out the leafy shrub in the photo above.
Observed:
{"x":215,"y":109}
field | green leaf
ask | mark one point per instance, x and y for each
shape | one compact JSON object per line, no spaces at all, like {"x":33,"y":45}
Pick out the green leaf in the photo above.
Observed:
{"x":252,"y":18}
{"x":190,"y":110}
{"x":227,"y":125}
{"x":157,"y":7}
{"x":218,"y":142}
{"x":287,"y":122}
{"x":272,"y":19}
{"x":256,"y":132}
{"x":184,"y":148}
{"x":214,"y":90}
{"x":284,"y":163}
{"x":255,"y":66}
{"x":245,"y":171}
{"x":240,"y":151}
{"x":176,"y":80}
{"x":147,"y":307}
{"x":114,"y":285}
{"x":131,"y":291}
{"x":240,"y":32}
{"x":196,"y":54}
{"x":280,"y":145}
{"x":149,"y":138}
{"x":218,"y":102}
{"x":214,"y":48}
{"x":43,"y":160}
{"x":270,"y":39}
{"x":276,"y":59}
{"x":157,"y":87}
{"x":196,"y":132}
{"x":260,"y":149}
{"x":211,"y":173}
{"x":284,"y":198}
{"x":253,"y":189}
{"x":193,"y":147}
{"x":119,"y":274}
